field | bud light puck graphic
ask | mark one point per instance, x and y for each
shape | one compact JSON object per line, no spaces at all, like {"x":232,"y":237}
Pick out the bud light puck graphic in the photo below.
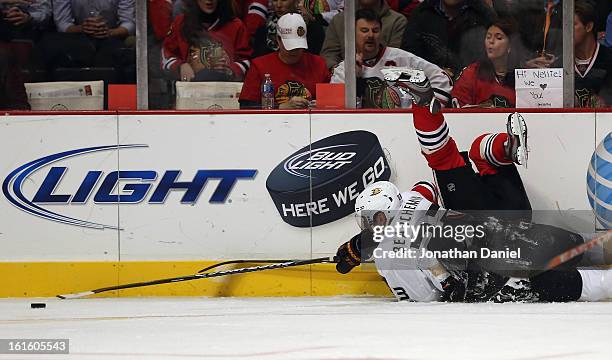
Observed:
{"x":336,"y":168}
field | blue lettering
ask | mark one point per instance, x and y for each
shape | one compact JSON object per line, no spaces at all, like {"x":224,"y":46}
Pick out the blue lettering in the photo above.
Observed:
{"x":228,"y":180}
{"x":168,"y":182}
{"x":194,"y":188}
{"x":86,"y":187}
{"x":138,"y":191}
{"x":45,"y":192}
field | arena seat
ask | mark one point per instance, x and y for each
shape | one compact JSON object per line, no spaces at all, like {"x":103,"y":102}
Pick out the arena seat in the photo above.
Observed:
{"x":207,"y":95}
{"x":69,"y":95}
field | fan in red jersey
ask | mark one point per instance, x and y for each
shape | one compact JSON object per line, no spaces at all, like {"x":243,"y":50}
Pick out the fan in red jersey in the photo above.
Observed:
{"x":207,"y":43}
{"x":294,"y":72}
{"x":489,"y":82}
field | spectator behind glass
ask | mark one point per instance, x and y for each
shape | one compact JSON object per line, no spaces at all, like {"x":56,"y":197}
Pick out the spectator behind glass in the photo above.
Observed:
{"x":448,"y":33}
{"x":489,"y":82}
{"x":23,"y":19}
{"x":592,"y":63}
{"x":371,"y":57}
{"x":294,"y":71}
{"x":99,"y":19}
{"x":253,"y":14}
{"x":265,"y":38}
{"x":393,"y":25}
{"x":404,"y":7}
{"x":12,"y":91}
{"x":207,"y":43}
{"x":160,"y":18}
{"x":603,"y":8}
{"x":90,"y":33}
{"x":324,"y":10}
{"x":541,"y":32}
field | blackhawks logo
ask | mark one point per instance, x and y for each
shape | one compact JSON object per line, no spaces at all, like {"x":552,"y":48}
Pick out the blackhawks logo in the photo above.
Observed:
{"x":290,"y":89}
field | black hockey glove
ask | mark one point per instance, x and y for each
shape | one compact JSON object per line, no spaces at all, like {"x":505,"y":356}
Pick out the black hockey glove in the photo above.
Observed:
{"x":349,"y":255}
{"x":454,"y":286}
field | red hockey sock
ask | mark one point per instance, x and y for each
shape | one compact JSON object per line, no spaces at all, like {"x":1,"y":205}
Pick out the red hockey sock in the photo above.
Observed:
{"x":445,"y":158}
{"x":427,"y":189}
{"x":431,"y":130}
{"x":488,"y":153}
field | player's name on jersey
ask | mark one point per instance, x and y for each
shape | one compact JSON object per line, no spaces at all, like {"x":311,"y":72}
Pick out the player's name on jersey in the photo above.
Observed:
{"x":423,"y":253}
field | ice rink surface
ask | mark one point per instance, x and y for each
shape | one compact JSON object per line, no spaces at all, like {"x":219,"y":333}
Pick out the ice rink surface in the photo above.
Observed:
{"x":310,"y":328}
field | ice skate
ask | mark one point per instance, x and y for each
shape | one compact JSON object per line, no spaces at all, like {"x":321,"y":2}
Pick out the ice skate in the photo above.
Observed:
{"x":516,"y":148}
{"x":417,"y":83}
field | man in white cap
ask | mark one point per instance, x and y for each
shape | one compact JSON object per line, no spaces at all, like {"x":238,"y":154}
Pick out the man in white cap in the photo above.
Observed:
{"x":294,"y":72}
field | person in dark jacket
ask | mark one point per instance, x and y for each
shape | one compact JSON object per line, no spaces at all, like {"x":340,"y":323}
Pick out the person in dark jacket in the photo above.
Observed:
{"x":541,"y":32}
{"x":448,"y":33}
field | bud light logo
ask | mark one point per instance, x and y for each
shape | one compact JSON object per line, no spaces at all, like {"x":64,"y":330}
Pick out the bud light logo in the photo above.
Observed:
{"x":134,"y":188}
{"x":319,"y":183}
{"x":336,"y":157}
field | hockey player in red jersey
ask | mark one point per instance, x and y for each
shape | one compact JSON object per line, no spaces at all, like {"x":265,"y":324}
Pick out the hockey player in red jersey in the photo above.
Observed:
{"x":497,"y":186}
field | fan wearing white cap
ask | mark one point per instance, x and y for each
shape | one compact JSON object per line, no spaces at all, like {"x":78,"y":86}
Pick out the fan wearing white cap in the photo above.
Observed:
{"x":291,"y":29}
{"x":265,"y":38}
{"x":294,"y":72}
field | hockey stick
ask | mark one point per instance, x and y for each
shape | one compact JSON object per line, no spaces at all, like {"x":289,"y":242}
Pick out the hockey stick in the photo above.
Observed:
{"x":575,"y":251}
{"x":230,"y":262}
{"x":290,"y":263}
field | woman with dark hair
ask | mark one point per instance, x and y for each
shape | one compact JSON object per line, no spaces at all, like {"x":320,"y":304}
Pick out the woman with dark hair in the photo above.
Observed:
{"x":265,"y":38}
{"x":207,"y":43}
{"x":489,"y":82}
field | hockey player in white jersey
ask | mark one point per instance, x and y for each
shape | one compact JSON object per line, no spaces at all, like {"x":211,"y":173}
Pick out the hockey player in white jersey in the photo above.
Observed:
{"x":434,"y":279}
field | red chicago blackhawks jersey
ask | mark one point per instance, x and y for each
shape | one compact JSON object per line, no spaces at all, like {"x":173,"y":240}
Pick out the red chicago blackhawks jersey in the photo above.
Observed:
{"x":231,"y":36}
{"x":470,"y":90}
{"x":289,"y":80}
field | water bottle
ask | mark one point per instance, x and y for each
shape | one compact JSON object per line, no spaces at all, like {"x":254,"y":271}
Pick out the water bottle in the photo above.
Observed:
{"x":267,"y":93}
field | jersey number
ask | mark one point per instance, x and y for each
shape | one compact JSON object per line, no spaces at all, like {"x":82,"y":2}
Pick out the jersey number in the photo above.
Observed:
{"x":401,"y":293}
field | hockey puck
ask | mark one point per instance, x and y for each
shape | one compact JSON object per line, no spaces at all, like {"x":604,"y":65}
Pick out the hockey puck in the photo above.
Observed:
{"x":38,"y":305}
{"x":319,"y":183}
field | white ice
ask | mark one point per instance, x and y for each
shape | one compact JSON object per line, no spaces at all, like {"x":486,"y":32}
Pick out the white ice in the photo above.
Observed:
{"x":310,"y":328}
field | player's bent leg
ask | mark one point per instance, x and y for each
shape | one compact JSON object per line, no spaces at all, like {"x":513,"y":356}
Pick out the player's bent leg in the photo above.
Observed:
{"x":461,"y":188}
{"x":507,"y":192}
{"x":491,"y":155}
{"x":437,"y":145}
{"x":488,"y":152}
{"x":427,"y":190}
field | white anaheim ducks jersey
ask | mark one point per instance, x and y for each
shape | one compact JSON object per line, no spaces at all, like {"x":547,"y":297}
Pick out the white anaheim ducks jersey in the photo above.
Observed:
{"x":408,"y":275}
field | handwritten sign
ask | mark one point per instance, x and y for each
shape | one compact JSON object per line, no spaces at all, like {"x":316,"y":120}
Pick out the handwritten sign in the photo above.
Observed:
{"x":539,"y":88}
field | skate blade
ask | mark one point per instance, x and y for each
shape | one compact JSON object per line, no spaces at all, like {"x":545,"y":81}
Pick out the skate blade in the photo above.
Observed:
{"x":518,"y":127}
